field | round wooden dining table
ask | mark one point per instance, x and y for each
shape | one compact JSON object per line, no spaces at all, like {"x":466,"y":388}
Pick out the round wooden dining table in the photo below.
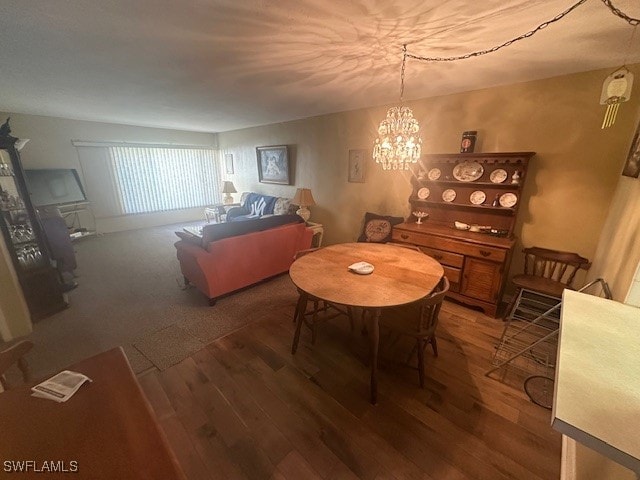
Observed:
{"x":400,"y":276}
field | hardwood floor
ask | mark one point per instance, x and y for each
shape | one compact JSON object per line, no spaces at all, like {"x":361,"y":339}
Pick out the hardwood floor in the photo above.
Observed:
{"x":245,"y":408}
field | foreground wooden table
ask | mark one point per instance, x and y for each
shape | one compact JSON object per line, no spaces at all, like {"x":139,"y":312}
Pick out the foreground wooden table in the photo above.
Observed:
{"x":401,"y":276}
{"x":107,"y":428}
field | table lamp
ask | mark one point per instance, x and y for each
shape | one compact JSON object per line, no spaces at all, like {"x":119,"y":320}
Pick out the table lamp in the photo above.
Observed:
{"x":303,"y":199}
{"x":228,"y":189}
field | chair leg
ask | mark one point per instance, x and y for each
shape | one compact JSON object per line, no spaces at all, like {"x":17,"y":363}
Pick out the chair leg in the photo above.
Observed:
{"x":350,"y":315}
{"x":362,"y":320}
{"x":434,"y":345}
{"x":314,"y":322}
{"x":301,"y":307}
{"x":421,"y":346}
{"x":297,"y":310}
{"x":511,"y":306}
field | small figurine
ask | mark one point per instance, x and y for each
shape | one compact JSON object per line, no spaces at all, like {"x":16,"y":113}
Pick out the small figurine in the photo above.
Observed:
{"x":515,"y":178}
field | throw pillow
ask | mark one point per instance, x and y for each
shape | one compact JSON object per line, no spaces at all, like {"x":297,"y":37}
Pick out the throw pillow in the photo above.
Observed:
{"x":377,"y":228}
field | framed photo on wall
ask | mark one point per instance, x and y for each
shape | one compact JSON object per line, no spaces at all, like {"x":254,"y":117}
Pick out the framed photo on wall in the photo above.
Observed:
{"x":357,"y":161}
{"x":632,"y":165}
{"x":228,"y":163}
{"x":273,"y":164}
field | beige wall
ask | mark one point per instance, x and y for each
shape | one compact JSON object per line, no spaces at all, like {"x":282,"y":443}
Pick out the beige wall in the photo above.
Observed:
{"x":14,"y":315}
{"x":51,"y":147}
{"x":570,"y":184}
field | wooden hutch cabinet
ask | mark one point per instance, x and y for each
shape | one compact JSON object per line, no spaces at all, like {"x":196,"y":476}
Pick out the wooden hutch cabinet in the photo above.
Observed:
{"x":23,"y":236}
{"x":472,"y":200}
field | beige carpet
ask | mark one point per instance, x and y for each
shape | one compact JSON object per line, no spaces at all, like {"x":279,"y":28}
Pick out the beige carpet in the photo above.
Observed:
{"x":130,"y":295}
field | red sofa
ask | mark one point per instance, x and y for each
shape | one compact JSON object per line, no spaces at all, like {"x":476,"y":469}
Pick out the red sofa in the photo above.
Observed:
{"x":228,"y":264}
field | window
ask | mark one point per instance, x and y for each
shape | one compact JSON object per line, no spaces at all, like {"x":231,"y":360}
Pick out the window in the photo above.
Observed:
{"x":152,"y":179}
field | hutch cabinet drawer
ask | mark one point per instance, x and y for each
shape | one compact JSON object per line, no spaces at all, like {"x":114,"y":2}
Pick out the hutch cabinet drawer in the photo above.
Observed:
{"x":452,"y":246}
{"x":445,"y":258}
{"x":453,"y":274}
{"x":488,"y":253}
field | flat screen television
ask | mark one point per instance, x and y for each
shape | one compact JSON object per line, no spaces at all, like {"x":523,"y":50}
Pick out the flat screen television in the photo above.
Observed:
{"x":54,"y":186}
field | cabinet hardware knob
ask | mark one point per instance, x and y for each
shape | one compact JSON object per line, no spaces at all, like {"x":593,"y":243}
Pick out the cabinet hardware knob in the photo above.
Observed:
{"x":404,"y":236}
{"x":484,"y":253}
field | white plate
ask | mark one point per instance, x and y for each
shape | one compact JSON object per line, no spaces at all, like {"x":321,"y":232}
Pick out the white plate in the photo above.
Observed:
{"x":423,"y":193}
{"x":478,"y":197}
{"x":498,"y":175}
{"x":468,"y":171}
{"x":449,"y":195}
{"x":361,"y":268}
{"x":508,"y":200}
{"x":434,"y":174}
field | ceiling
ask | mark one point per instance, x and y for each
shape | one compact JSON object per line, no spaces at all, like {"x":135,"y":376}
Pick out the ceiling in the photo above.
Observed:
{"x":218,"y":65}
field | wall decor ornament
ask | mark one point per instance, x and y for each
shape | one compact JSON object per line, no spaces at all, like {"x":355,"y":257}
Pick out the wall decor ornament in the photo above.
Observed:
{"x":273,"y":164}
{"x":357,"y":160}
{"x":228,"y":163}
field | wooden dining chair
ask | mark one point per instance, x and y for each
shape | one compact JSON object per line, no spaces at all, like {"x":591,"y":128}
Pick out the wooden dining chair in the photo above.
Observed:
{"x":320,"y":311}
{"x":547,"y":272}
{"x":418,"y":320}
{"x":11,"y":355}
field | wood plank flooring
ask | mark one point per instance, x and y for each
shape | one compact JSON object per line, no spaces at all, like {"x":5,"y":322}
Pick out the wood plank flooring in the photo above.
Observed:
{"x":245,"y":408}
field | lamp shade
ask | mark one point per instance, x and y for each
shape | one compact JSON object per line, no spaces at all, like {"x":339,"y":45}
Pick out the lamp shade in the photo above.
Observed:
{"x":227,"y":187}
{"x":303,"y":197}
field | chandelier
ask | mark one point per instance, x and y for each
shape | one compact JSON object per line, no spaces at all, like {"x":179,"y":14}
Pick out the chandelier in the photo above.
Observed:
{"x":398,"y":143}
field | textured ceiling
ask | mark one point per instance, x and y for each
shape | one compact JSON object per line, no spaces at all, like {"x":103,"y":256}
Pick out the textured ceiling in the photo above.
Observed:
{"x":216,"y":65}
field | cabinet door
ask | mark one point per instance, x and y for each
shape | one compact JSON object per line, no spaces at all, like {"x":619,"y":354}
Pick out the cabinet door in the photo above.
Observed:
{"x":481,"y":279}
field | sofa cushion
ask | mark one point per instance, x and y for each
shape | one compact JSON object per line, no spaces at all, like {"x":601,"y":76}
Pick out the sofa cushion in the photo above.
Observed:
{"x":377,"y":228}
{"x":283,"y":206}
{"x":218,"y":231}
{"x":189,"y":238}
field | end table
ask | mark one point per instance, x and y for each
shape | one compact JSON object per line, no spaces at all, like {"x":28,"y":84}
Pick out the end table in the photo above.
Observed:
{"x":213,"y":210}
{"x":318,"y":233}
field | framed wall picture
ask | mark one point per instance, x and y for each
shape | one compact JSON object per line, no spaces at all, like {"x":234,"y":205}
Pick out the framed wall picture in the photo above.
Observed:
{"x":357,"y":161}
{"x":632,"y":165}
{"x":273,"y":164}
{"x":228,"y":163}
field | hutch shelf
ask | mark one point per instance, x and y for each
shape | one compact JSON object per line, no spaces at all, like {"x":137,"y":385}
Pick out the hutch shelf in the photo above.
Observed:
{"x":472,"y":201}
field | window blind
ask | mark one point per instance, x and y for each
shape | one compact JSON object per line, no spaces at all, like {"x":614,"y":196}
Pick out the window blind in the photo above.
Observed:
{"x":153,"y":179}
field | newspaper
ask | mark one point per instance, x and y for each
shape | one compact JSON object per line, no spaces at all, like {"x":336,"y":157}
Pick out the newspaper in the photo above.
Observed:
{"x":60,"y":387}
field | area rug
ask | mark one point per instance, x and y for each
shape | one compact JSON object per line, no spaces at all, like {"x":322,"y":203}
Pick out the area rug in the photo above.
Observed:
{"x":194,"y":326}
{"x":168,"y":346}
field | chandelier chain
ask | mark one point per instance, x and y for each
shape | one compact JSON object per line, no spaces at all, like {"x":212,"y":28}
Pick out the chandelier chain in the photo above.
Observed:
{"x":616,"y":11}
{"x":505,"y":44}
{"x":404,"y":61}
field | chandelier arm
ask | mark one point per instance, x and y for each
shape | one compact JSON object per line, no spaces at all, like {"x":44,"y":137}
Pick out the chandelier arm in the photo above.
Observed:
{"x":505,"y":44}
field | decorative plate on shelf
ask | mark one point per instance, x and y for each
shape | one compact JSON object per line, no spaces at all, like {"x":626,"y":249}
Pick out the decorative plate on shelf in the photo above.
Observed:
{"x":434,"y":174}
{"x":478,"y":197}
{"x":498,"y":175}
{"x":468,"y":171}
{"x":423,"y":193}
{"x":508,"y":200}
{"x":449,"y":195}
